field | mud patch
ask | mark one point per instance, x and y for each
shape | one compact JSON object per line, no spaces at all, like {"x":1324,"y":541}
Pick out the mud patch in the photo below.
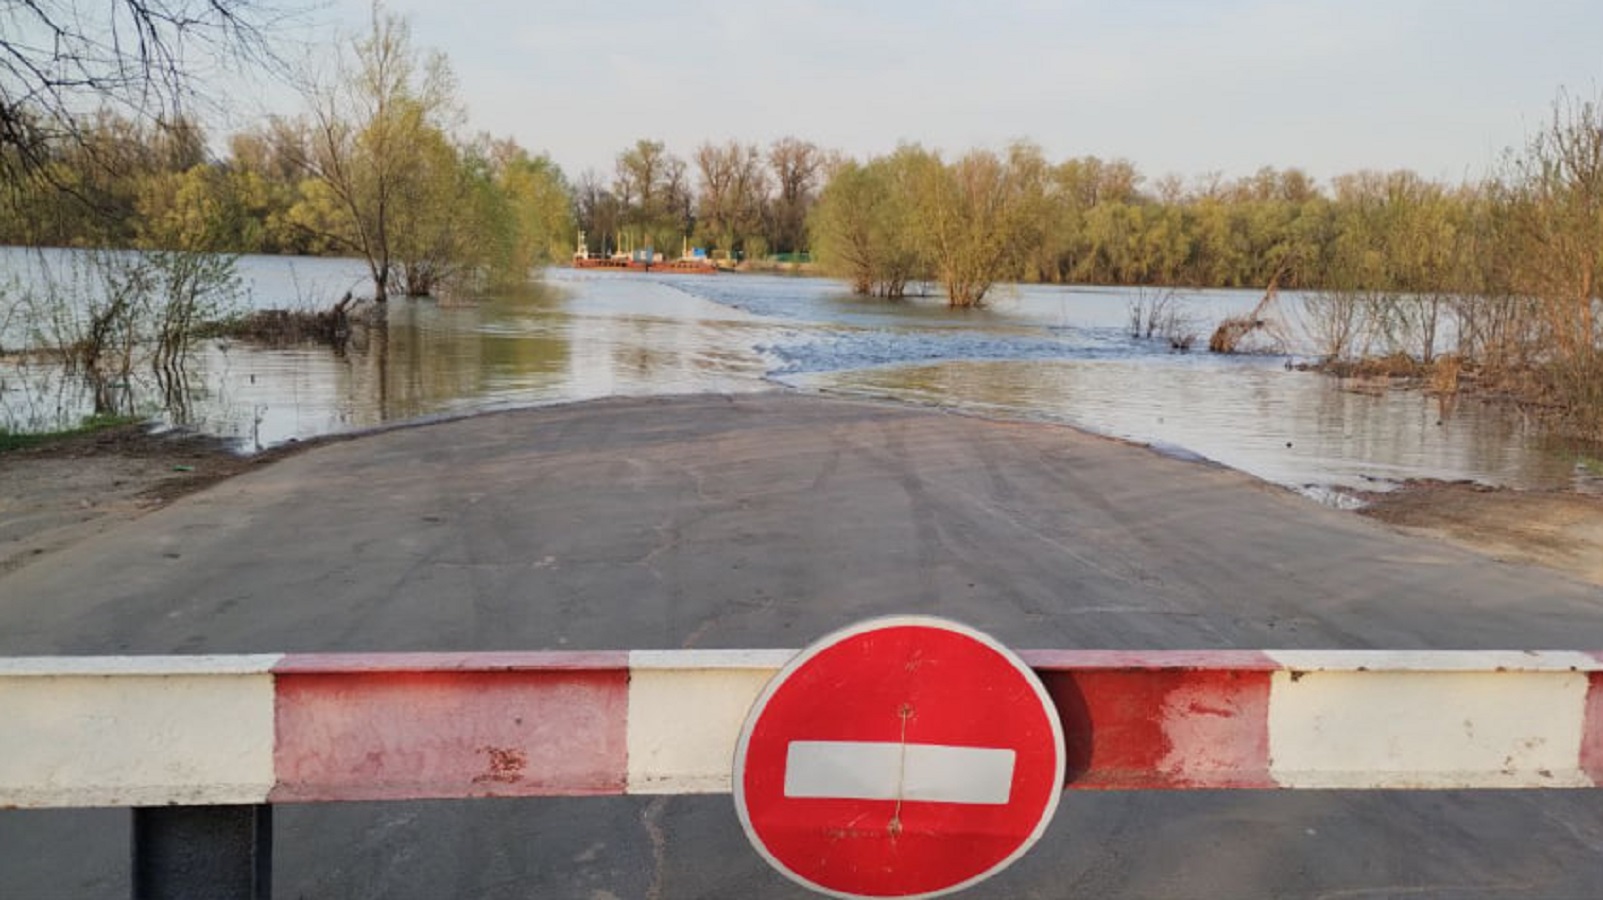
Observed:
{"x":55,"y":494}
{"x":1556,"y":529}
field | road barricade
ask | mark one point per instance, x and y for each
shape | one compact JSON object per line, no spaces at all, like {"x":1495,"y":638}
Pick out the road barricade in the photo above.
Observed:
{"x":202,"y":746}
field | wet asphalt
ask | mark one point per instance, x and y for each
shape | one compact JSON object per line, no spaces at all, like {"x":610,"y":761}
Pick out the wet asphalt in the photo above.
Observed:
{"x":765,"y":521}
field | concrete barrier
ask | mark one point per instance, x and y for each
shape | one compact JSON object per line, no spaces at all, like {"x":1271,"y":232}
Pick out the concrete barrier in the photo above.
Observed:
{"x":261,"y":729}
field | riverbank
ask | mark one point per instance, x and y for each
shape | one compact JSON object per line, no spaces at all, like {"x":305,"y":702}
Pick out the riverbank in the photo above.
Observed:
{"x":1558,"y":530}
{"x":60,"y":492}
{"x":57,"y":494}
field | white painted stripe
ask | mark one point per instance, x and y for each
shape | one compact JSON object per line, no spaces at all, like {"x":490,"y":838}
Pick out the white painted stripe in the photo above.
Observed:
{"x":865,"y":770}
{"x":49,"y":666}
{"x":768,"y":660}
{"x":1435,"y":660}
{"x":1426,"y":729}
{"x":684,"y":723}
{"x":97,"y":740}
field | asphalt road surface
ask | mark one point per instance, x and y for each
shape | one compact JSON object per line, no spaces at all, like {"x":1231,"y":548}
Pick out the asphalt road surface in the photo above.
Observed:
{"x":766,"y":521}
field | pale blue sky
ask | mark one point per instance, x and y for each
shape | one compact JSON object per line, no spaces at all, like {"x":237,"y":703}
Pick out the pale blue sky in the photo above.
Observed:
{"x":1183,"y":87}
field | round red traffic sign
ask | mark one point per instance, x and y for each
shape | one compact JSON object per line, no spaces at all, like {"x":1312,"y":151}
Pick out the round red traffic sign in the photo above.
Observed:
{"x":900,"y":757}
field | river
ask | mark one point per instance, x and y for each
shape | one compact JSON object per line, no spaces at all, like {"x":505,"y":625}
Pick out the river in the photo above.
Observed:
{"x":1036,"y":352}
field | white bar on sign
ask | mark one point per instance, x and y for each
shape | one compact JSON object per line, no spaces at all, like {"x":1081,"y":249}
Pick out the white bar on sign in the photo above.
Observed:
{"x":883,"y":770}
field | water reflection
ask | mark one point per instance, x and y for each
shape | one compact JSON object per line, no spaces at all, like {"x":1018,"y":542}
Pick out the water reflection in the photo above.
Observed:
{"x":1291,"y":428}
{"x":541,"y":345}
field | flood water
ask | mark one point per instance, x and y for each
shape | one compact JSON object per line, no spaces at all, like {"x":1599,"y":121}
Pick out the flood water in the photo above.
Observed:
{"x":1042,"y":353}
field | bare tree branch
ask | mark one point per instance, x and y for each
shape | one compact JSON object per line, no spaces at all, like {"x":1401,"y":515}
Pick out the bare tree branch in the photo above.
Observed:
{"x":60,"y":63}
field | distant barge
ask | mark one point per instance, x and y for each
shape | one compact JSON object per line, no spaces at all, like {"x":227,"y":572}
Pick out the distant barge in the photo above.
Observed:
{"x":702,"y":266}
{"x":647,"y":260}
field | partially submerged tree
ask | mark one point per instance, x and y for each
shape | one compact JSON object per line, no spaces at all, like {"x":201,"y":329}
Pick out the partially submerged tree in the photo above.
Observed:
{"x":522,"y":207}
{"x":864,"y":226}
{"x":981,"y":215}
{"x":437,"y":231}
{"x":1557,"y":205}
{"x":375,"y":142}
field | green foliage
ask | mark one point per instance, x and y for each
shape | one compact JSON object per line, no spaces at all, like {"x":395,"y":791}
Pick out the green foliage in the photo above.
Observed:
{"x":522,"y":215}
{"x":864,"y":227}
{"x":11,"y":441}
{"x":375,"y":141}
{"x":912,"y":216}
{"x":980,"y":214}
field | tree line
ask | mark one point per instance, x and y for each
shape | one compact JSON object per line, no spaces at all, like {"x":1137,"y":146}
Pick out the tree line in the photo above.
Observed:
{"x":1496,"y":282}
{"x":736,"y":200}
{"x":390,"y":184}
{"x":372,"y":169}
{"x":913,"y":216}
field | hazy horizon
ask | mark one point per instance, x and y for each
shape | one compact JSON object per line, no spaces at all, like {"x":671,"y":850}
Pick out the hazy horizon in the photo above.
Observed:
{"x":1177,"y":88}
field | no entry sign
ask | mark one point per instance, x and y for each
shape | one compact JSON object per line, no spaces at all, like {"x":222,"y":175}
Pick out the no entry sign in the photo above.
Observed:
{"x":900,"y":757}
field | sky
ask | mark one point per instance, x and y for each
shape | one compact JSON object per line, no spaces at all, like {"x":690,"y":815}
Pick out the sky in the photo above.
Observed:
{"x":1186,"y":88}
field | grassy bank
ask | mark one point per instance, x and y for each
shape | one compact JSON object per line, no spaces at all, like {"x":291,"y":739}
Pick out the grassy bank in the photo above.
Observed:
{"x":11,"y":441}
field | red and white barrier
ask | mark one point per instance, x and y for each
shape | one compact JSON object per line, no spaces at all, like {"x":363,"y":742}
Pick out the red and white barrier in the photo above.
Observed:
{"x":144,"y":731}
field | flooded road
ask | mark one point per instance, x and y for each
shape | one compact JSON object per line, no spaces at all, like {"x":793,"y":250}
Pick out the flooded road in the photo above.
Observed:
{"x":550,"y":344}
{"x":1293,"y":428}
{"x":1036,"y":352}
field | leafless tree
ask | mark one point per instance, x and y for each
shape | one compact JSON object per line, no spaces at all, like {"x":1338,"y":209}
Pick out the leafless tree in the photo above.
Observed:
{"x":61,"y":60}
{"x":652,"y":185}
{"x":797,"y":166}
{"x":734,"y":192}
{"x":597,"y":212}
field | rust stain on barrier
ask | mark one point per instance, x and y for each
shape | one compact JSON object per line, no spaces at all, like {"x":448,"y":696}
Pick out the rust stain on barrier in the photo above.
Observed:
{"x":506,"y":765}
{"x":372,"y":733}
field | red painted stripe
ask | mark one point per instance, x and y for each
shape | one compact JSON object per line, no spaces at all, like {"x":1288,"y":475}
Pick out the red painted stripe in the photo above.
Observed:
{"x":1165,"y":726}
{"x":1592,"y":727}
{"x":354,"y":730}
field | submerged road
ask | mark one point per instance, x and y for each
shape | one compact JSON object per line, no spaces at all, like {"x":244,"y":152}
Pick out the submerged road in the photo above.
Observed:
{"x":765,"y":521}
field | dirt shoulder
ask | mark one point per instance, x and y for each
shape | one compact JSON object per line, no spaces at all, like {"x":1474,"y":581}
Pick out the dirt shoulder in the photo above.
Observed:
{"x":57,"y":494}
{"x":1557,"y":530}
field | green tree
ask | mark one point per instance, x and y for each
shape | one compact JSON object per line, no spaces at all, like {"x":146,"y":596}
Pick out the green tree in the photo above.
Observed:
{"x":373,"y":142}
{"x":438,"y":229}
{"x":527,"y":208}
{"x":978,"y":215}
{"x":864,"y":227}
